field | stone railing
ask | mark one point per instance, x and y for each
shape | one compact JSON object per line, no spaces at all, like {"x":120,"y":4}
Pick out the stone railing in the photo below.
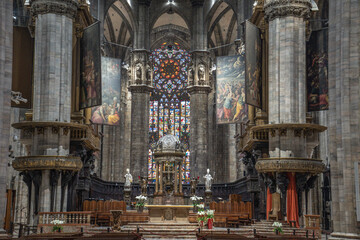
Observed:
{"x":69,"y":218}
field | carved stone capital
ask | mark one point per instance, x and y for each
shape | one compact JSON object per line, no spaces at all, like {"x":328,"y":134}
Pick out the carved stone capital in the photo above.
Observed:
{"x":199,"y":89}
{"x":283,"y":8}
{"x":60,"y":7}
{"x":140,"y":88}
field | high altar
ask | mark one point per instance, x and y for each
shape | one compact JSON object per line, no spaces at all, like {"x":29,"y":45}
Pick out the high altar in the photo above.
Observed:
{"x":168,"y":196}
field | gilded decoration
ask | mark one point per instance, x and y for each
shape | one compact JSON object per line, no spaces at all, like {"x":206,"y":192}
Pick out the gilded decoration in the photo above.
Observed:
{"x":304,"y":165}
{"x":47,"y":162}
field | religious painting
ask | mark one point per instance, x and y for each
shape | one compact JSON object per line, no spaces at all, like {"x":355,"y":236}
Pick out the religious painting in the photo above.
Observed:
{"x":90,"y":67}
{"x":230,"y":89}
{"x":109,"y":111}
{"x":253,"y":65}
{"x":317,"y":71}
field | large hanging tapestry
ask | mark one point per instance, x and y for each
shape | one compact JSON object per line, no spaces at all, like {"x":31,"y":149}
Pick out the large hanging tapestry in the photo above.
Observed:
{"x":109,"y":111}
{"x":317,"y":71}
{"x":169,"y":102}
{"x":90,"y":67}
{"x":253,"y":65}
{"x":230,"y":89}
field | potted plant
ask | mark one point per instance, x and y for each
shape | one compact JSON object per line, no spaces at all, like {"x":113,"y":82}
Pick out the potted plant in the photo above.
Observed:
{"x":196,"y":202}
{"x":210,"y":218}
{"x":140,"y":203}
{"x":277,"y":228}
{"x":57,"y":225}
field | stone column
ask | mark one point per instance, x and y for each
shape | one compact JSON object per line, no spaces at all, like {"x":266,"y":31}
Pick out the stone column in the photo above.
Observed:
{"x":140,"y":87}
{"x":52,"y":99}
{"x":6,"y":37}
{"x":344,"y":114}
{"x":199,"y":89}
{"x":287,"y":72}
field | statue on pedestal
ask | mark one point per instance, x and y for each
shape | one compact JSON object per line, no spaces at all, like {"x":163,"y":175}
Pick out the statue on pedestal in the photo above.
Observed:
{"x":143,"y":185}
{"x":193,"y":184}
{"x":128,"y":179}
{"x":208,"y":179}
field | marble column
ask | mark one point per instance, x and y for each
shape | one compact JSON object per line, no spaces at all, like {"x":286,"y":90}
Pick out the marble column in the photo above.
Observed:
{"x":6,"y":37}
{"x":287,"y":72}
{"x":52,"y":84}
{"x":344,"y":115}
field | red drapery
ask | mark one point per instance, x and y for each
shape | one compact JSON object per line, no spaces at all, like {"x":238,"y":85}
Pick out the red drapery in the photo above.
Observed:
{"x":292,"y":200}
{"x":268,"y":203}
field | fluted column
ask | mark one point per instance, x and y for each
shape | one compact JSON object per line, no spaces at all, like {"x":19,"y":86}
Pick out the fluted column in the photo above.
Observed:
{"x":287,"y":72}
{"x":6,"y":36}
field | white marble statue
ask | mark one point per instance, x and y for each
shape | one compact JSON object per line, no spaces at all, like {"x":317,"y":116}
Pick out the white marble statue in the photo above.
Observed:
{"x":128,"y":179}
{"x":208,"y":179}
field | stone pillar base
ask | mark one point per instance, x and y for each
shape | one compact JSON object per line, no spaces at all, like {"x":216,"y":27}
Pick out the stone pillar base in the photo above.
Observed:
{"x":341,"y":235}
{"x":208,"y":198}
{"x":127,"y":196}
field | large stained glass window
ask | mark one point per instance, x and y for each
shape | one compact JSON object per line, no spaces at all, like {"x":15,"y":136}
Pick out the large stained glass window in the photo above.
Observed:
{"x":169,"y":101}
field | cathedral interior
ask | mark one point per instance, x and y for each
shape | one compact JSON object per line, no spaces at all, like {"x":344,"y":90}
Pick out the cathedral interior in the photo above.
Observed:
{"x":120,"y":117}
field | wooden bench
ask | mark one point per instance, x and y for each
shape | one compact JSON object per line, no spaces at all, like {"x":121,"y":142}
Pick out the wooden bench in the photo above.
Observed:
{"x":100,"y":210}
{"x":282,"y":236}
{"x":131,"y":217}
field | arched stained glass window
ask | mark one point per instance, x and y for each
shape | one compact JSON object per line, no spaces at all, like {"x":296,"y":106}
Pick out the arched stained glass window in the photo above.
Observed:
{"x":169,"y":101}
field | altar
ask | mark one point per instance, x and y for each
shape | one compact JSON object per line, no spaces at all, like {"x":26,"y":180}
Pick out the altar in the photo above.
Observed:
{"x":169,"y":213}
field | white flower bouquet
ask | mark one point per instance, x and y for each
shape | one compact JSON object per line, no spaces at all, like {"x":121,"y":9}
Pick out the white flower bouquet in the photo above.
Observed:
{"x":140,"y":200}
{"x":196,"y":200}
{"x":210,"y":214}
{"x":57,"y":225}
{"x":277,"y":227}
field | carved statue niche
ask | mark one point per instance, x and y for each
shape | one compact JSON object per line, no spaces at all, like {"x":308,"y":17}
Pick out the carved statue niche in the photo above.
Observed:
{"x":138,"y":73}
{"x":193,"y":184}
{"x":249,"y":160}
{"x":201,"y":74}
{"x":148,"y":74}
{"x":269,"y":182}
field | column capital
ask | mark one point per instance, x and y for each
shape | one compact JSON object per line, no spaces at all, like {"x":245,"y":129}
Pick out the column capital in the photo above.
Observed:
{"x":140,"y":88}
{"x":199,"y":89}
{"x":144,"y":2}
{"x":197,"y":3}
{"x":283,"y":8}
{"x":60,"y":7}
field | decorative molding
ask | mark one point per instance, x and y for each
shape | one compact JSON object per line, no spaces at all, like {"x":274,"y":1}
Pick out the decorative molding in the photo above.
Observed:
{"x":284,"y":8}
{"x":141,"y":88}
{"x":66,"y":8}
{"x":199,"y":89}
{"x":47,"y":162}
{"x":299,"y":165}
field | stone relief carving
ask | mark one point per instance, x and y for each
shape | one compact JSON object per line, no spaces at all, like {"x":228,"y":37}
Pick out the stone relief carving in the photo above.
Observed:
{"x":60,"y":7}
{"x":283,"y":8}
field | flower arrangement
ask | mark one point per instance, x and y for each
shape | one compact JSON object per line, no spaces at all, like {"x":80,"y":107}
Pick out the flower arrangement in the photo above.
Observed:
{"x":57,"y":225}
{"x":196,"y":200}
{"x":210,"y":214}
{"x":201,"y":217}
{"x":140,"y":201}
{"x":277,"y":227}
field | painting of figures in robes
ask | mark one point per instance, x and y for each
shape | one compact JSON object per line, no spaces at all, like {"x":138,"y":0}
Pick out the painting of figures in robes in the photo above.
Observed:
{"x":317,"y":71}
{"x":109,"y":111}
{"x":230,"y":89}
{"x":90,"y":67}
{"x":253,"y":65}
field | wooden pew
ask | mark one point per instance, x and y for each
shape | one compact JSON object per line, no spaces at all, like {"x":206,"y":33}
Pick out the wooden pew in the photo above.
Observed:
{"x":214,"y":235}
